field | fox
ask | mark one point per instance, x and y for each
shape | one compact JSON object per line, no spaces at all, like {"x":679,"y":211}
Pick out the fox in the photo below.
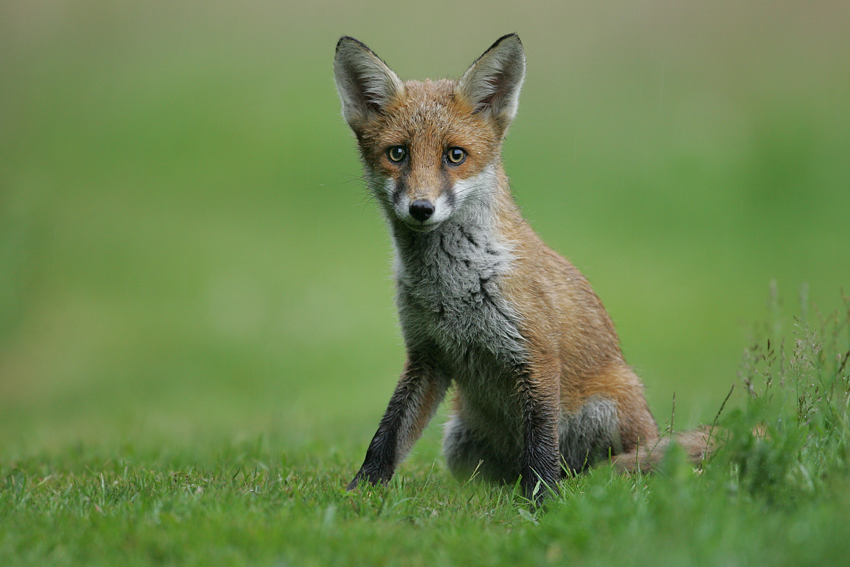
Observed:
{"x":541,"y":387}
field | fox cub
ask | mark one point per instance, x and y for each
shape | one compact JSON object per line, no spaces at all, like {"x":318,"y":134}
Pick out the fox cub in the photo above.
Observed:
{"x":541,"y":386}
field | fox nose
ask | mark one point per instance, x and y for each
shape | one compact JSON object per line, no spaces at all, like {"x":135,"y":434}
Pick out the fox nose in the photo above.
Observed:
{"x":421,"y":210}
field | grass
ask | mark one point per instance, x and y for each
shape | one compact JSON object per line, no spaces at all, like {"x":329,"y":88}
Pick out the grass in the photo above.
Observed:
{"x":778,"y":497}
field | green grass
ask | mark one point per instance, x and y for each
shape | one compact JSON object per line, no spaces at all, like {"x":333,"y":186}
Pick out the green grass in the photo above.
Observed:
{"x":776,"y":492}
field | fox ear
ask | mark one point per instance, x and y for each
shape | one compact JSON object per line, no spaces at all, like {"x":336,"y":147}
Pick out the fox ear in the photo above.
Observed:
{"x":364,"y":82}
{"x":492,"y":83}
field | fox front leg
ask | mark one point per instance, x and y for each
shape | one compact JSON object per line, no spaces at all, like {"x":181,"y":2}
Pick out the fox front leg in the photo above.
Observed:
{"x":540,"y":466}
{"x":414,"y":402}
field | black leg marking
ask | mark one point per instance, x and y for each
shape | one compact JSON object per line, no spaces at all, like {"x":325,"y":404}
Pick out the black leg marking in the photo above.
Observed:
{"x":541,"y":453}
{"x":412,"y":405}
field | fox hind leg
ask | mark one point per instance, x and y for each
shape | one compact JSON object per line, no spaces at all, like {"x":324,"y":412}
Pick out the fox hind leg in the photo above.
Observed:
{"x":589,"y":434}
{"x":467,"y":453}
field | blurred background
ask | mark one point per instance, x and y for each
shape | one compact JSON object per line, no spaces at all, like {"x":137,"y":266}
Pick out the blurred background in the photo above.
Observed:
{"x":187,"y":252}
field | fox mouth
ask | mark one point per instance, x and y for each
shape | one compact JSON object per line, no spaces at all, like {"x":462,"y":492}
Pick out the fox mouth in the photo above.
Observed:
{"x":418,"y":226}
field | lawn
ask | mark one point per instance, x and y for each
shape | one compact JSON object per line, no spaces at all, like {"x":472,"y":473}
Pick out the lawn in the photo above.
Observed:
{"x":197,"y":332}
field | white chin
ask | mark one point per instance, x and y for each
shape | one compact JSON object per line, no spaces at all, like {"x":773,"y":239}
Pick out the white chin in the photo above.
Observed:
{"x":418,"y":227}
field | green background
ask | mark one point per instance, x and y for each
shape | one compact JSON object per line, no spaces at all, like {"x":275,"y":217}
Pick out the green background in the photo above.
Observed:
{"x":188,"y":255}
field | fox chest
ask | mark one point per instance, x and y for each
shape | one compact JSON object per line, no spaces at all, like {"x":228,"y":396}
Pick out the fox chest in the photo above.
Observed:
{"x":449,"y":296}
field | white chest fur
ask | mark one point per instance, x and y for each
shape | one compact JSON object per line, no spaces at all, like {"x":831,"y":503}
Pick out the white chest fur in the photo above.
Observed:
{"x":449,"y":296}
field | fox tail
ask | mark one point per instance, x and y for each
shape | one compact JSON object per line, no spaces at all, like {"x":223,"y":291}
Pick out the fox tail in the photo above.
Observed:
{"x":698,"y":444}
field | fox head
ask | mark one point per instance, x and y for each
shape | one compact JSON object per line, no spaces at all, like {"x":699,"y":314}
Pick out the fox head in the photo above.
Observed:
{"x":430,"y":148}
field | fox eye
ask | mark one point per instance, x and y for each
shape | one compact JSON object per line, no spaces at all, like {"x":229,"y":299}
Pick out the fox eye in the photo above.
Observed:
{"x":455,"y":156}
{"x":396,"y":153}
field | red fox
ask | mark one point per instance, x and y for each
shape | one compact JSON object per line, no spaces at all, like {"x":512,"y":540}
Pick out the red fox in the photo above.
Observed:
{"x":541,"y":386}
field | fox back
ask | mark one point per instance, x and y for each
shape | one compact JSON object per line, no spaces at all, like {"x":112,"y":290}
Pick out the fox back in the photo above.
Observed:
{"x":541,"y":386}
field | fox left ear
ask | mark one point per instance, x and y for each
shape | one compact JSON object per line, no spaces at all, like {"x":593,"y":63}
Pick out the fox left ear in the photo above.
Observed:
{"x":492,"y":83}
{"x":365,"y":83}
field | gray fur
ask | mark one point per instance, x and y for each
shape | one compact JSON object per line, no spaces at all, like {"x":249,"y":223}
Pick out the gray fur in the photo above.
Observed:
{"x":450,"y":305}
{"x":447,"y":288}
{"x":587,"y":435}
{"x":467,"y":452}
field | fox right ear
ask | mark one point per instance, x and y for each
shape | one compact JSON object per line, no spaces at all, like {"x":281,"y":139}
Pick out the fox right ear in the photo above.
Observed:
{"x":492,"y":83}
{"x":364,"y":82}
